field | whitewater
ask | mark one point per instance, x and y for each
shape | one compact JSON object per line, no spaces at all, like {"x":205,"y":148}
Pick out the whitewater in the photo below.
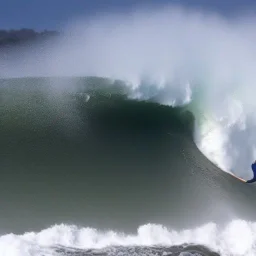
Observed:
{"x":174,"y":57}
{"x":237,"y":238}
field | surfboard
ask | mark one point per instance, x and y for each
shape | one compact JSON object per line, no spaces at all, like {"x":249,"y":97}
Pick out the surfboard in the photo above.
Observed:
{"x":238,"y":178}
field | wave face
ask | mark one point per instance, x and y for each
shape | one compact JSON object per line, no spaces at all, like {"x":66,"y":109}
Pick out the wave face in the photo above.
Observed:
{"x":69,"y":144}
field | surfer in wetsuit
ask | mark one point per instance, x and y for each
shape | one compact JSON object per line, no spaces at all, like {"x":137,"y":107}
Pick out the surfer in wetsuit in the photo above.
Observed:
{"x":254,"y":173}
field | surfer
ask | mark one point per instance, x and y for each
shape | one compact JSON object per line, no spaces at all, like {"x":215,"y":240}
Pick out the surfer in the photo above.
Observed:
{"x":254,"y":173}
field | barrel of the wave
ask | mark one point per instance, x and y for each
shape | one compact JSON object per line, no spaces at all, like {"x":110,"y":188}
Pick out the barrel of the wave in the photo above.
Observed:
{"x":253,"y":166}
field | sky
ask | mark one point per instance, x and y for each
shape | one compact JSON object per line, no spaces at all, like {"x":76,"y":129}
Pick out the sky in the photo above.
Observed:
{"x":54,"y":14}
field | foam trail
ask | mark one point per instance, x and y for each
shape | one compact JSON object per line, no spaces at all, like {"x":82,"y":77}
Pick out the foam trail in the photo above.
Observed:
{"x":237,"y":238}
{"x":169,"y":54}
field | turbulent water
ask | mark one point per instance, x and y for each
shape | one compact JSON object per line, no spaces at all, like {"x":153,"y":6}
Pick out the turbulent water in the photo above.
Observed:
{"x":91,"y":167}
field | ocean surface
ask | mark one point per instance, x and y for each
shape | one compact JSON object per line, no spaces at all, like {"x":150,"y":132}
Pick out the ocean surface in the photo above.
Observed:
{"x":88,"y":167}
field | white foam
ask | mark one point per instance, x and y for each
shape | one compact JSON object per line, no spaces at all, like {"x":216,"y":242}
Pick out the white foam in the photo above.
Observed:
{"x":237,"y":238}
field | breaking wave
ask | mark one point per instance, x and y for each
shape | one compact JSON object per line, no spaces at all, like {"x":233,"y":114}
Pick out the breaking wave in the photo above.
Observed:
{"x":172,"y":52}
{"x":237,"y":238}
{"x":174,"y":57}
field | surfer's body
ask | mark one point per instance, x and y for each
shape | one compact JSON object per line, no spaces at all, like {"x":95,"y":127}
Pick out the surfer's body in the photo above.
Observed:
{"x":254,"y":173}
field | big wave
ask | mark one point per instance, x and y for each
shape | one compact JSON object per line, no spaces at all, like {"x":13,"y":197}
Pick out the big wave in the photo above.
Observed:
{"x":171,"y":53}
